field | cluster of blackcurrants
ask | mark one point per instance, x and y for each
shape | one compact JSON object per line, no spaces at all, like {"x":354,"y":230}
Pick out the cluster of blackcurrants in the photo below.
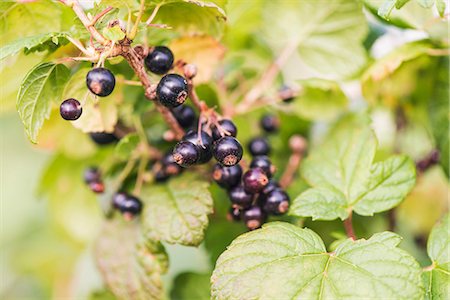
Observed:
{"x":128,"y":205}
{"x":254,"y":194}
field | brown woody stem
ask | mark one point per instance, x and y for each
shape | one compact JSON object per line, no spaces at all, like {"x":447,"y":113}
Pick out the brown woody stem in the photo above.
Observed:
{"x":348,"y":225}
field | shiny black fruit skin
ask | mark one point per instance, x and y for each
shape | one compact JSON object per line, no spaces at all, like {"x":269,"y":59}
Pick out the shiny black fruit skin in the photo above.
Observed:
{"x":131,"y":205}
{"x":234,"y":214}
{"x":169,"y":166}
{"x":227,"y":125}
{"x":204,"y":148}
{"x":228,"y":151}
{"x":160,"y":60}
{"x":276,"y":202}
{"x":185,"y":154}
{"x":239,"y":197}
{"x":185,"y":116}
{"x":92,"y":174}
{"x":100,"y":81}
{"x":103,"y":138}
{"x":118,"y":200}
{"x":254,"y":180}
{"x":271,"y":186}
{"x":172,"y":90}
{"x":270,"y":123}
{"x":263,"y":162}
{"x":254,"y":217}
{"x":259,"y":146}
{"x":70,"y":109}
{"x":227,"y":177}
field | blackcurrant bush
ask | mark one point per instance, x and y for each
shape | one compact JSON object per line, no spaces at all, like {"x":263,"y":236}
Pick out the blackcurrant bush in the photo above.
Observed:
{"x":204,"y":146}
{"x":254,"y":217}
{"x":228,"y":151}
{"x":234,"y":214}
{"x":103,"y":138}
{"x":70,"y":109}
{"x":185,"y":116}
{"x":270,"y":123}
{"x":97,"y":187}
{"x":259,"y":146}
{"x":131,"y":207}
{"x":160,"y":60}
{"x":185,"y":154}
{"x":227,"y":177}
{"x":100,"y":81}
{"x":239,"y":197}
{"x":263,"y":162}
{"x":226,"y":125}
{"x":172,"y":90}
{"x":254,"y":180}
{"x":276,"y":202}
{"x":92,"y":174}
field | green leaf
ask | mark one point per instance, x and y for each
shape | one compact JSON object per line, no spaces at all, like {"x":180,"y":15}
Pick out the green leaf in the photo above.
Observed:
{"x":190,"y":286}
{"x":319,"y":99}
{"x":344,"y":177}
{"x":41,"y":86}
{"x":282,"y":261}
{"x":42,"y":42}
{"x":329,"y":37}
{"x":437,"y":276}
{"x":113,"y":33}
{"x":131,"y":267}
{"x":177,"y":212}
{"x":126,"y":145}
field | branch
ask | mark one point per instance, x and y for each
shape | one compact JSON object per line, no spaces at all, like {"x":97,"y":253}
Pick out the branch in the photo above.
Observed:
{"x":138,"y":20}
{"x":100,"y":15}
{"x":298,"y":146}
{"x":75,"y":5}
{"x":348,"y":225}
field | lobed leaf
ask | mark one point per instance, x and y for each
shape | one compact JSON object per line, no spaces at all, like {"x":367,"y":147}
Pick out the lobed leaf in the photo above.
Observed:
{"x":282,"y":261}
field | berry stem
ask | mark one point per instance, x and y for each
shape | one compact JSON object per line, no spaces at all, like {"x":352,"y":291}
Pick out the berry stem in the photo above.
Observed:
{"x":194,"y":97}
{"x":138,"y":20}
{"x":140,"y":176}
{"x":348,"y":225}
{"x":125,"y":172}
{"x":153,"y":15}
{"x":298,"y":148}
{"x":100,"y":15}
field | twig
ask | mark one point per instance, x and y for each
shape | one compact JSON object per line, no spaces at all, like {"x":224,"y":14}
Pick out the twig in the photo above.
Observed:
{"x":140,"y":176}
{"x":138,"y":20}
{"x":298,"y":146}
{"x":267,"y":78}
{"x":153,"y":15}
{"x":348,"y":225}
{"x":75,"y":5}
{"x":125,"y":172}
{"x":100,"y":15}
{"x":194,"y":97}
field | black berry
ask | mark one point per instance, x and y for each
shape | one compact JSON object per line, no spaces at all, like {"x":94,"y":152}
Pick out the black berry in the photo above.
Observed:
{"x":172,"y":90}
{"x":131,"y":206}
{"x":286,"y":94}
{"x":259,"y":146}
{"x":118,"y":199}
{"x":271,"y":186}
{"x":263,"y":162}
{"x":226,"y":125}
{"x":100,"y":81}
{"x":234,"y":214}
{"x":185,"y":116}
{"x":92,"y":174}
{"x":204,"y":145}
{"x":239,"y":197}
{"x":169,"y":166}
{"x":227,"y":177}
{"x":70,"y":109}
{"x":103,"y":138}
{"x":255,"y":180}
{"x":161,"y":175}
{"x":228,"y":151}
{"x":254,"y":217}
{"x":97,"y":187}
{"x":185,"y":154}
{"x":160,"y":60}
{"x":270,"y":123}
{"x":276,"y":202}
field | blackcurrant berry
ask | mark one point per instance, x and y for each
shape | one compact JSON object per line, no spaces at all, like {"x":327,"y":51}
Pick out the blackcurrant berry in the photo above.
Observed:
{"x":100,"y":81}
{"x":160,"y":60}
{"x":259,"y":146}
{"x":172,"y":90}
{"x":169,"y":166}
{"x":271,"y":186}
{"x":263,"y":162}
{"x":92,"y":174}
{"x":97,"y":187}
{"x":131,"y":207}
{"x":234,"y":214}
{"x":103,"y":138}
{"x":204,"y":146}
{"x":226,"y":125}
{"x":286,"y":94}
{"x":227,"y":177}
{"x":185,"y":154}
{"x":185,"y":116}
{"x":161,"y":176}
{"x":239,"y":197}
{"x":70,"y":109}
{"x":227,"y":151}
{"x":270,"y":123}
{"x":255,"y":180}
{"x":118,"y":200}
{"x":276,"y":202}
{"x":254,"y":217}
